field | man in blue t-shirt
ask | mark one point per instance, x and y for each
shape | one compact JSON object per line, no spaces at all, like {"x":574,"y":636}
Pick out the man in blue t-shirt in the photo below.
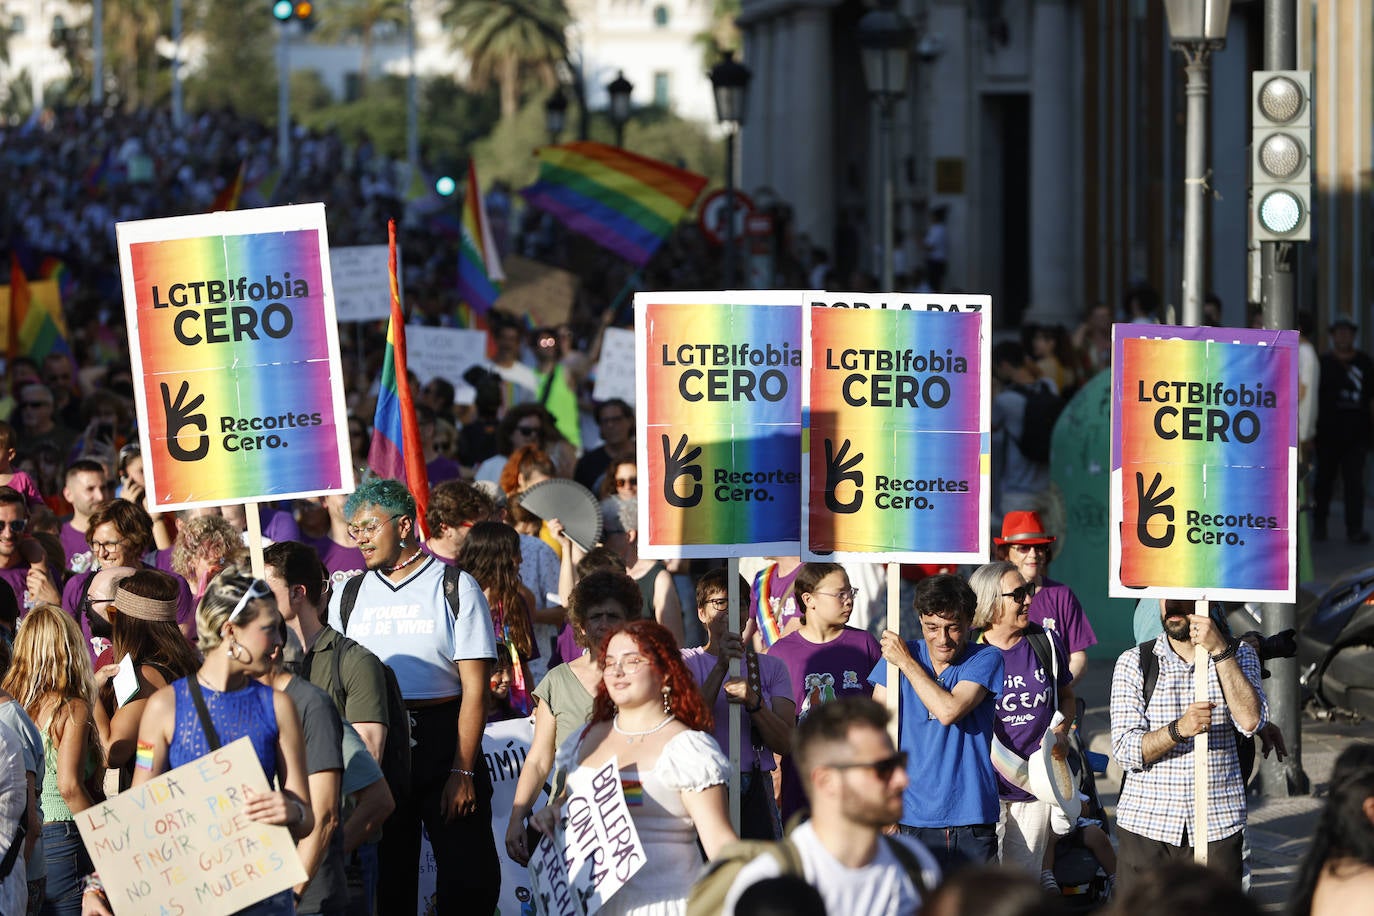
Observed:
{"x":949,"y":689}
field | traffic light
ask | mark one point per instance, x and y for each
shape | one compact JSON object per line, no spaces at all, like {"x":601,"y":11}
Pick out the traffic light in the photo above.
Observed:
{"x":289,"y":10}
{"x":1281,"y":160}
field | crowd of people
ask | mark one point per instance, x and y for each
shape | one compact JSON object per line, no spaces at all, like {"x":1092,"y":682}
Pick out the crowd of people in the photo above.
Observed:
{"x":369,"y":730}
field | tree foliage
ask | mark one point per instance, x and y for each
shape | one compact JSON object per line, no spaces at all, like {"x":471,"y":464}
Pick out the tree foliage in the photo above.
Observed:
{"x":359,"y":20}
{"x":240,"y":71}
{"x":509,"y":41}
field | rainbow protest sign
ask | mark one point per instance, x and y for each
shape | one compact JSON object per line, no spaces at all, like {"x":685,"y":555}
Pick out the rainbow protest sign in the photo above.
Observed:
{"x":897,"y":456}
{"x":232,"y":330}
{"x":1204,"y":463}
{"x":719,"y":411}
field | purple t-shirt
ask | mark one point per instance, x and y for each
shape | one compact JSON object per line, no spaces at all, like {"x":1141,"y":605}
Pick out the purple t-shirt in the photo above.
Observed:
{"x":825,"y":671}
{"x":74,"y":545}
{"x":773,"y":681}
{"x":23,"y":483}
{"x":1055,"y":607}
{"x":278,"y":524}
{"x":1026,"y":704}
{"x":442,"y":469}
{"x":820,"y":673}
{"x":342,"y":562}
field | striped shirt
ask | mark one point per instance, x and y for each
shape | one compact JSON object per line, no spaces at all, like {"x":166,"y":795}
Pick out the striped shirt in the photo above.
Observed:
{"x":1157,"y":799}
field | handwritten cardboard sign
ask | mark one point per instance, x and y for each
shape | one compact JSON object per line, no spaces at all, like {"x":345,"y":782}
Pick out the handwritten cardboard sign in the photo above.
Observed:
{"x":446,"y":353}
{"x":362,"y":282}
{"x":615,"y":372}
{"x":182,"y":843}
{"x":596,"y":852}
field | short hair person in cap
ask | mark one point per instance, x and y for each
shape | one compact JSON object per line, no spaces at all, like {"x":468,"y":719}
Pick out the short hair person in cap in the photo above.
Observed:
{"x":1026,"y":542}
{"x":1345,"y":417}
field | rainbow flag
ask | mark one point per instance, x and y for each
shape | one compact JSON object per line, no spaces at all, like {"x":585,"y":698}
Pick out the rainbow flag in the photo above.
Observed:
{"x":395,"y":450}
{"x":36,"y":327}
{"x":622,"y":201}
{"x":228,"y":197}
{"x":479,"y":263}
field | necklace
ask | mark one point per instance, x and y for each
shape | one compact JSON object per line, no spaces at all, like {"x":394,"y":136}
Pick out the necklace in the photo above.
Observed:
{"x":403,"y":564}
{"x":631,"y":736}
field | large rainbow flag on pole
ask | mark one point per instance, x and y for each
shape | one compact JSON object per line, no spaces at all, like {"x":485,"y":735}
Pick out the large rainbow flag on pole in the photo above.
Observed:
{"x":395,"y":450}
{"x":479,"y":263}
{"x":622,"y":201}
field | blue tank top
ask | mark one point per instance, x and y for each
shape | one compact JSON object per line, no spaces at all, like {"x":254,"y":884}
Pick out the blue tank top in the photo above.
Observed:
{"x":247,"y":711}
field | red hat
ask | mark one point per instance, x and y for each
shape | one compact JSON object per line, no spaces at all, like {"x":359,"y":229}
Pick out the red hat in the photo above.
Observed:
{"x":1023,"y":528}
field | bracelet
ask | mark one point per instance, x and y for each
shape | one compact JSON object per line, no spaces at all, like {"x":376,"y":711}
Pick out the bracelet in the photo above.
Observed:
{"x":1174,"y":732}
{"x":755,"y":708}
{"x":468,"y":773}
{"x":1228,"y":652}
{"x":300,"y":812}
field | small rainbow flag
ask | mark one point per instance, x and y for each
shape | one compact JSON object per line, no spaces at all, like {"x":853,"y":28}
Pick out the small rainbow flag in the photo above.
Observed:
{"x":770,"y":630}
{"x":143,"y":756}
{"x":395,"y":451}
{"x":634,"y":792}
{"x":479,"y":263}
{"x":622,"y":201}
{"x":228,"y":197}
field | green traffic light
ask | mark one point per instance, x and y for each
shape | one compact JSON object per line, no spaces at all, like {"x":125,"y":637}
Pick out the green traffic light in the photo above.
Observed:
{"x":283,"y":10}
{"x":445,"y":186}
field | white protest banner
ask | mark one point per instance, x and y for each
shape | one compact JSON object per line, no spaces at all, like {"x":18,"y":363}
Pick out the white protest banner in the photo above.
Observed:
{"x":615,"y":373}
{"x":445,"y":353}
{"x":504,"y":745}
{"x":182,"y":844}
{"x":362,"y":282}
{"x":597,"y":849}
{"x":236,"y":351}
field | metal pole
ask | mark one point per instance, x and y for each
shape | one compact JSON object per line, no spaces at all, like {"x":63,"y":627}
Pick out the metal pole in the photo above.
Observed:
{"x":98,"y":54}
{"x":1276,"y":295}
{"x":178,"y":107}
{"x":283,"y":99}
{"x":885,"y":167}
{"x":412,"y":106}
{"x":1194,"y":181}
{"x":619,"y":134}
{"x":728,"y":274}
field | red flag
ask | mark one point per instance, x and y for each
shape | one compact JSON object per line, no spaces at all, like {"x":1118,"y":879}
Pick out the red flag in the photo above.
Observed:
{"x":228,"y":199}
{"x":395,"y":451}
{"x":19,"y":304}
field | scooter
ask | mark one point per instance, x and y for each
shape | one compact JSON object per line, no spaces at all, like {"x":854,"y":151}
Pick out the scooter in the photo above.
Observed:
{"x":1336,"y":648}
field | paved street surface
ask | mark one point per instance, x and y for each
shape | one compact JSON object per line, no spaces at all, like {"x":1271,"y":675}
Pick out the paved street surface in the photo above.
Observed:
{"x":1280,"y":829}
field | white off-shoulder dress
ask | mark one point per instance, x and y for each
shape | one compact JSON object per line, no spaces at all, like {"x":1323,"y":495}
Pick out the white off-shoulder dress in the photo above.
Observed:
{"x":691,"y":761}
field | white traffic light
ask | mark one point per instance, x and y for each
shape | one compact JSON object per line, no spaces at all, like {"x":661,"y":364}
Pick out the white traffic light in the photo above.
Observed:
{"x":1281,"y":168}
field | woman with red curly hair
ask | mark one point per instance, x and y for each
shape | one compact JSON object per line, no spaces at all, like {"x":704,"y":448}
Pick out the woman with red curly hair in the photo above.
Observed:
{"x":649,"y":715}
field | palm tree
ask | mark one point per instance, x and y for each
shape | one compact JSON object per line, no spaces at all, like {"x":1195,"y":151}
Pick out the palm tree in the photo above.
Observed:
{"x":506,"y":40}
{"x":361,"y":18}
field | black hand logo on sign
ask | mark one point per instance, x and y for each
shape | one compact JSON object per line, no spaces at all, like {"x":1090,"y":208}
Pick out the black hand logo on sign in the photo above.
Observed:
{"x":677,"y":464}
{"x":1150,"y":503}
{"x":839,"y":467}
{"x":179,"y":416}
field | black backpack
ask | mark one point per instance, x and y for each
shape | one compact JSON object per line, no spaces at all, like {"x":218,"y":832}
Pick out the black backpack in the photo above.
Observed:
{"x":1043,"y":408}
{"x":396,"y":753}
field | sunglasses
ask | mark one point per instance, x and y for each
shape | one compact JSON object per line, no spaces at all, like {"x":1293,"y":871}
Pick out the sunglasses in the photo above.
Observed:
{"x":1022,"y":593}
{"x":529,"y":430}
{"x":16,"y":525}
{"x":34,"y":405}
{"x":1028,"y":548}
{"x":627,"y":481}
{"x":259,"y":589}
{"x":883,"y":769}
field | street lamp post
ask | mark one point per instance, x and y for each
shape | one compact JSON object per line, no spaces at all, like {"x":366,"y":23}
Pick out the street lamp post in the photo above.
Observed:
{"x":885,"y":40}
{"x":619,"y":90}
{"x":730,"y":84}
{"x":555,"y":114}
{"x":1197,"y":28}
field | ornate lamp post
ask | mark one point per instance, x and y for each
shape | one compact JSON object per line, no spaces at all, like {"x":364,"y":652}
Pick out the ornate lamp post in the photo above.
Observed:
{"x":730,"y":84}
{"x":619,"y":90}
{"x":885,"y":41}
{"x":555,"y":114}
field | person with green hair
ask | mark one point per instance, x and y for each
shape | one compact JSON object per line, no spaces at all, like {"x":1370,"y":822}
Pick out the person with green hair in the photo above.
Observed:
{"x":432,"y":625}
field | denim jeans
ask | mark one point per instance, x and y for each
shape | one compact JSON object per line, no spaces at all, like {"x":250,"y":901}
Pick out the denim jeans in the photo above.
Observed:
{"x":956,"y":848}
{"x":67,"y":864}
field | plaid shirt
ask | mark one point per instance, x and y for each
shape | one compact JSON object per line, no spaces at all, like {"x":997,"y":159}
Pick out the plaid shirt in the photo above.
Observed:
{"x":1157,"y":799}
